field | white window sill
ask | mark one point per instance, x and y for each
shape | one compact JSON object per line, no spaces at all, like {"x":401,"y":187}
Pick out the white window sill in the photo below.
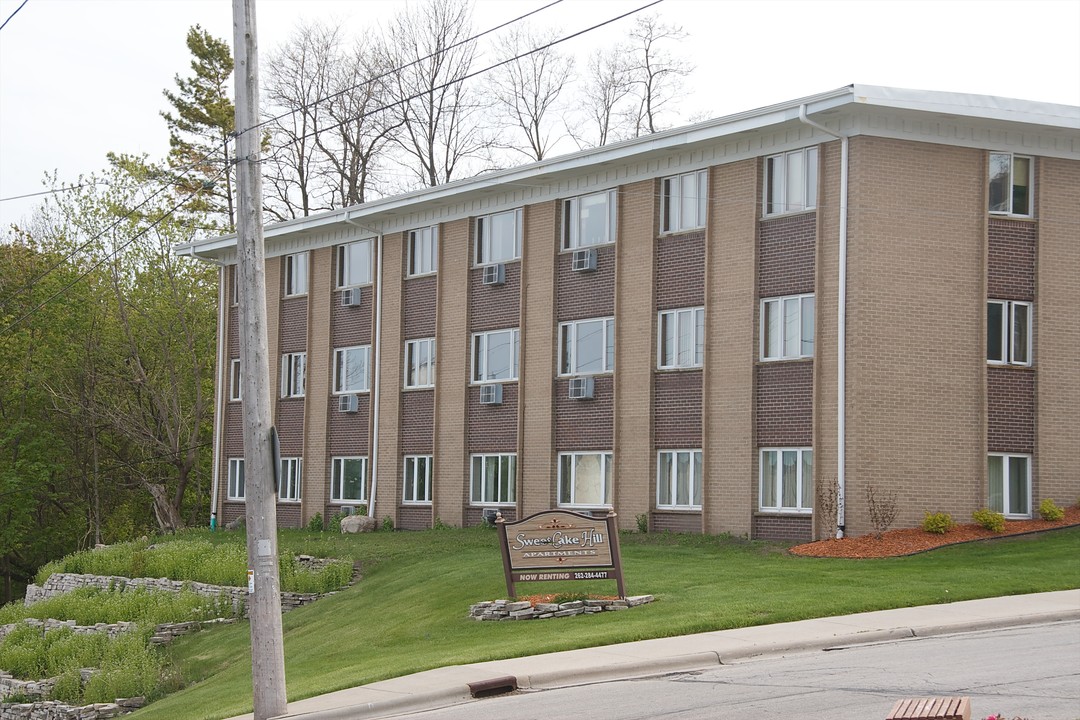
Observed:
{"x":568,"y":250}
{"x":788,"y":213}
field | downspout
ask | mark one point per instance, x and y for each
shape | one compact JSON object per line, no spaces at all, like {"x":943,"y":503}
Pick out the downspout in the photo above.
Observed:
{"x":841,"y":325}
{"x":377,"y":380}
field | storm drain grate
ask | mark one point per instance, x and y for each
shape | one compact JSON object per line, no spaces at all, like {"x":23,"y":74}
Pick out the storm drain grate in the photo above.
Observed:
{"x":494,"y":686}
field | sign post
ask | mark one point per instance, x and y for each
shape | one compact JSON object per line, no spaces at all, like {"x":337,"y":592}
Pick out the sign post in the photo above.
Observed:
{"x":560,"y":545}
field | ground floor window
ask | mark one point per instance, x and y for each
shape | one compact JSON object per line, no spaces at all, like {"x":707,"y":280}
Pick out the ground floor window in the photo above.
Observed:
{"x":493,"y":479}
{"x":787,"y":480}
{"x":289,"y":479}
{"x":236,"y":478}
{"x":678,"y":479}
{"x":417,"y":480}
{"x":1010,"y":484}
{"x":347,"y":479}
{"x":585,"y":479}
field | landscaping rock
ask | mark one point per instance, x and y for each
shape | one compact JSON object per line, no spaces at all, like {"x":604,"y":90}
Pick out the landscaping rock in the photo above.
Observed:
{"x":521,"y":610}
{"x":515,"y":606}
{"x":358,"y":524}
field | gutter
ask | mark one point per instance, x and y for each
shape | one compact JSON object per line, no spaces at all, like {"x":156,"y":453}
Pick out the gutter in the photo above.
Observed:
{"x":841,"y":326}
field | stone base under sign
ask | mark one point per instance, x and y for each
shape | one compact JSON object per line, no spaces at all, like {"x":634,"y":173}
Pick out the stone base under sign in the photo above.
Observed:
{"x":524,"y":610}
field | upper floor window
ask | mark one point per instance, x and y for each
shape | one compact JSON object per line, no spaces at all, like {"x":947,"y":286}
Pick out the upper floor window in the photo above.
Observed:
{"x":424,"y":250}
{"x":681,"y":339}
{"x":493,"y":479}
{"x":589,"y":220}
{"x":787,"y":327}
{"x":787,"y":480}
{"x":235,"y":284}
{"x":351,"y":369}
{"x":354,"y":264}
{"x":289,"y":479}
{"x":296,"y":274}
{"x":683,"y":201}
{"x":495,"y":355}
{"x":417,"y":487}
{"x":1008,"y":332}
{"x":1010,"y":484}
{"x":235,"y":380}
{"x":585,"y":479}
{"x":236,"y":478}
{"x":347,"y":476}
{"x":1010,"y":184}
{"x":293,"y":374}
{"x":498,"y":237}
{"x":679,"y":479}
{"x":791,"y":181}
{"x":420,"y":363}
{"x":587,"y":347}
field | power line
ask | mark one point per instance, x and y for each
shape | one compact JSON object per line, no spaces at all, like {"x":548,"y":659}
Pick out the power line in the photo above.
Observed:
{"x":53,"y":191}
{"x":14,"y":14}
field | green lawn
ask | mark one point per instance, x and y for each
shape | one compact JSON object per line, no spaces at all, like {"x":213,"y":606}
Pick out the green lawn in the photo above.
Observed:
{"x":409,"y":612}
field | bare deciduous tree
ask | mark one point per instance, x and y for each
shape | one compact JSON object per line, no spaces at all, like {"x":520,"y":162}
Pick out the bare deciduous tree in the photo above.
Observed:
{"x":607,"y":85}
{"x":655,"y":74}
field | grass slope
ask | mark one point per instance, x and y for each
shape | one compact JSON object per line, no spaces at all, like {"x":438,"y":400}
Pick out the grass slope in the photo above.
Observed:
{"x":408,"y":613}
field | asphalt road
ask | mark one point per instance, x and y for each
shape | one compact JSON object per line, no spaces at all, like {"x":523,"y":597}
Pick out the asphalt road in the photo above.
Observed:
{"x":1029,"y":672}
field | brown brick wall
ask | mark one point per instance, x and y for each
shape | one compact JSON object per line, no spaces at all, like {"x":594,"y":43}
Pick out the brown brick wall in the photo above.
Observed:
{"x":351,"y":325}
{"x":493,"y":428}
{"x":414,"y":517}
{"x":1010,"y":410}
{"x":495,"y":307}
{"x":584,"y":424}
{"x":780,"y":527}
{"x":290,"y":426}
{"x":417,"y":421}
{"x":289,"y":515}
{"x":1010,"y":266}
{"x":316,"y":487}
{"x":475,"y":515}
{"x":420,"y":306}
{"x":784,"y":404}
{"x":677,"y":409}
{"x":386,"y":470}
{"x":680,"y":270}
{"x":676,"y":522}
{"x":582,"y":295}
{"x":786,"y":255}
{"x":293,"y":331}
{"x":231,"y":511}
{"x":347,"y":432}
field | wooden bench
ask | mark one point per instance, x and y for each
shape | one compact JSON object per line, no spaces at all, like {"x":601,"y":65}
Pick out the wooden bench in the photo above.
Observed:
{"x":939,"y":708}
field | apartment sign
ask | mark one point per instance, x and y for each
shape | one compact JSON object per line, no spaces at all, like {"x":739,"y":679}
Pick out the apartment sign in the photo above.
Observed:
{"x":560,"y":545}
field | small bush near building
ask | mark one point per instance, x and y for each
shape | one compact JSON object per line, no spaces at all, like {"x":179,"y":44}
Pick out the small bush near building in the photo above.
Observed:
{"x":315,"y":524}
{"x":938,"y":523}
{"x":1049,"y":510}
{"x":992,"y":521}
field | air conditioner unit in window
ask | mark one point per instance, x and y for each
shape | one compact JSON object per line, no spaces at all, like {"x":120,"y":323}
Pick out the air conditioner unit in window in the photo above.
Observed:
{"x":491,"y":394}
{"x":348,"y":403}
{"x":350,"y":297}
{"x":584,"y":260}
{"x":495,"y":274}
{"x":581,"y":388}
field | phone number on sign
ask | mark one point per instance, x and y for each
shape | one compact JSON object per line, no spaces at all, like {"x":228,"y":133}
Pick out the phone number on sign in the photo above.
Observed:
{"x":591,"y":576}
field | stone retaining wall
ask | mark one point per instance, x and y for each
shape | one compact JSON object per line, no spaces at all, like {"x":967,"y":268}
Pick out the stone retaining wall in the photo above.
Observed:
{"x":111,"y":629}
{"x":524,"y":610}
{"x":51,"y":710}
{"x":28,"y":688}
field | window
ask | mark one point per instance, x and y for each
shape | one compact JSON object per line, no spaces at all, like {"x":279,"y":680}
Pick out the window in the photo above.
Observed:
{"x":351,"y":369}
{"x":347,"y":475}
{"x":235,"y":380}
{"x":791,"y":181}
{"x":1010,"y":184}
{"x":678,"y":479}
{"x":236,"y":285}
{"x":589,"y":220}
{"x":1008,"y":332}
{"x":683,"y":201}
{"x":585,"y":479}
{"x":417,"y":480}
{"x":424,"y":250}
{"x":420,"y":363}
{"x":293,"y":372}
{"x":681,"y":339}
{"x":354,"y":264}
{"x":495,"y":355}
{"x":289,"y":479}
{"x":296,"y":274}
{"x":787,"y":480}
{"x":493,"y":479}
{"x":498,"y":237}
{"x":587,"y":347}
{"x":236,"y":478}
{"x":1010,"y":484}
{"x":787,"y":327}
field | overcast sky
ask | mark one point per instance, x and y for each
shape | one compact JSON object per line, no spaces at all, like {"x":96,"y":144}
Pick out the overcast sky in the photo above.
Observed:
{"x":80,"y":78}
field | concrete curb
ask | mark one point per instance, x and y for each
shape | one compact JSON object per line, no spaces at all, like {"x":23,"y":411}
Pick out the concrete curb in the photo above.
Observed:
{"x":620,"y":671}
{"x":399,"y":705}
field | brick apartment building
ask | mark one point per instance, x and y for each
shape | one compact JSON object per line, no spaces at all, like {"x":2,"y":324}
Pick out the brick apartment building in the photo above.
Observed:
{"x":671,"y":326}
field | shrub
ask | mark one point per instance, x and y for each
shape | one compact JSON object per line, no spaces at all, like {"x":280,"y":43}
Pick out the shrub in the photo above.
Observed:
{"x":883,"y":508}
{"x":993,"y":521}
{"x":315,"y":524}
{"x":1049,"y":510}
{"x":938,"y":523}
{"x":388,"y":523}
{"x":643,"y":523}
{"x":335,"y":523}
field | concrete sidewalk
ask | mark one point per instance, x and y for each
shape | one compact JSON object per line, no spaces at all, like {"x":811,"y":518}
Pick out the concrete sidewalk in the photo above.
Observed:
{"x":449,"y":685}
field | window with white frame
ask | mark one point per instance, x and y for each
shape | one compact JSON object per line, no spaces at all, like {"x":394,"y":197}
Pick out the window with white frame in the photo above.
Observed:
{"x":235,"y":381}
{"x":681,"y":339}
{"x":296,"y":274}
{"x":498,"y":237}
{"x":787,"y":327}
{"x":289,"y":479}
{"x":587,"y":347}
{"x":585,"y":479}
{"x":589,"y":220}
{"x":1008,"y":332}
{"x":235,"y":285}
{"x":420,"y":363}
{"x":683,"y":201}
{"x":493,"y":479}
{"x":679,"y":479}
{"x":417,"y":489}
{"x":495,"y":355}
{"x":1010,"y":484}
{"x":791,"y":181}
{"x":351,"y":369}
{"x":354,"y":264}
{"x":1010,"y":184}
{"x":347,"y":479}
{"x":787,"y":480}
{"x":424,"y":250}
{"x":293,"y":374}
{"x":236,"y":479}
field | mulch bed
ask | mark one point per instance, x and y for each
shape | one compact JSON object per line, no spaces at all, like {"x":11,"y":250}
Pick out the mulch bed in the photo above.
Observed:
{"x":915,"y":540}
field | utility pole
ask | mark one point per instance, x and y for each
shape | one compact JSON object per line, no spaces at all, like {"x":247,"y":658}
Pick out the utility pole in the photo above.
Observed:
{"x":264,"y":606}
